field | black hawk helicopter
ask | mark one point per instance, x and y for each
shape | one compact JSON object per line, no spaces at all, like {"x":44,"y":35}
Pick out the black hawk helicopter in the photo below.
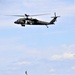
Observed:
{"x":32,"y":21}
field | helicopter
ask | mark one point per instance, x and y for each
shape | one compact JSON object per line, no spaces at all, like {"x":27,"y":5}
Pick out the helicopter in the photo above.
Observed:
{"x":32,"y":21}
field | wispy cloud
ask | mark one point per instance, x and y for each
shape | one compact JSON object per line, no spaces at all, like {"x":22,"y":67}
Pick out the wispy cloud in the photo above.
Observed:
{"x":63,"y":56}
{"x":22,"y":63}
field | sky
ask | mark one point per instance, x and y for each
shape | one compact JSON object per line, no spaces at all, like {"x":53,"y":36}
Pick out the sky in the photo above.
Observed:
{"x":37,"y":49}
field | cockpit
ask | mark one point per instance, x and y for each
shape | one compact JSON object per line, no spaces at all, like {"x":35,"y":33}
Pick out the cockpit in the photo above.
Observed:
{"x":19,"y":21}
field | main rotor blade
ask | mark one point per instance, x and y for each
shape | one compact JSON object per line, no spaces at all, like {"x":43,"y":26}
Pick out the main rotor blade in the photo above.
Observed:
{"x":16,"y":15}
{"x":26,"y":15}
{"x":40,"y":14}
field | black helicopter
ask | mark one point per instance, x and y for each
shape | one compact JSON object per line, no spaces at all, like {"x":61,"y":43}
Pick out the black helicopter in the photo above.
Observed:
{"x":31,"y":21}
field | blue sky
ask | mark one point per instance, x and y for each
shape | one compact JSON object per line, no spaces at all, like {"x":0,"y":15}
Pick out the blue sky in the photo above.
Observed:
{"x":37,"y":49}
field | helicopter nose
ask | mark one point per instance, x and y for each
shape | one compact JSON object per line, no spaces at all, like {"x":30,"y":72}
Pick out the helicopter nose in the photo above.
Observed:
{"x":15,"y":22}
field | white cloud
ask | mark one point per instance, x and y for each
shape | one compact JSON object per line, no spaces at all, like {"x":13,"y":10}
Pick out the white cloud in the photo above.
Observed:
{"x":22,"y":63}
{"x":68,"y":55}
{"x":56,"y":57}
{"x":63,"y":56}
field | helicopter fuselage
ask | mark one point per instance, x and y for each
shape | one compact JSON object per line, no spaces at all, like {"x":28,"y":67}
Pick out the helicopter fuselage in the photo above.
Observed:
{"x":30,"y":21}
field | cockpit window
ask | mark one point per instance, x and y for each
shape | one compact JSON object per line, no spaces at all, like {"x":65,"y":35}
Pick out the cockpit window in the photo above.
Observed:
{"x":18,"y":20}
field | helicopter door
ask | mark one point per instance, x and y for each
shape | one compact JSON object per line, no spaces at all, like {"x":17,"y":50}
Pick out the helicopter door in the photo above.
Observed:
{"x":29,"y":22}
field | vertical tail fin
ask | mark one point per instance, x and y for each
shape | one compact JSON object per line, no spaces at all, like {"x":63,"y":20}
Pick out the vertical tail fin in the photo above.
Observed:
{"x":54,"y":18}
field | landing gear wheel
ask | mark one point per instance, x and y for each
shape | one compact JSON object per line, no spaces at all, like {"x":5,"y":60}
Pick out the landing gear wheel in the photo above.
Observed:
{"x":23,"y":25}
{"x":47,"y":26}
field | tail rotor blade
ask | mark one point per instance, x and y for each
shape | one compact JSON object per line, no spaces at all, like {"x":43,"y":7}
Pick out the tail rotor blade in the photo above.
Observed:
{"x":55,"y":14}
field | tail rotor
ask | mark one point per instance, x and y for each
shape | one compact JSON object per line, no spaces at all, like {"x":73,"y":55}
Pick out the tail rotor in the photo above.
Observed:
{"x":55,"y":16}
